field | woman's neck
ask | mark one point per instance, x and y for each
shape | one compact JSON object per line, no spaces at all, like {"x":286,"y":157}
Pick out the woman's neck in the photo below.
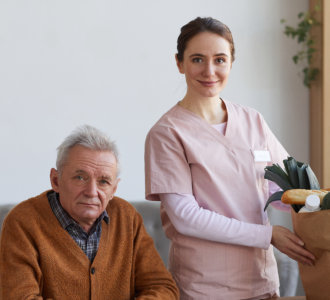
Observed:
{"x":212,"y":110}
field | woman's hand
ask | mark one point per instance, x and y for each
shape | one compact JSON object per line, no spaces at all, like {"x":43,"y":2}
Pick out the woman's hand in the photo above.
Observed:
{"x":291,"y":245}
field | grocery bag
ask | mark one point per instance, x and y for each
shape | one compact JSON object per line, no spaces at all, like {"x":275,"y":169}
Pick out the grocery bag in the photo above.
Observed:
{"x":314,"y":229}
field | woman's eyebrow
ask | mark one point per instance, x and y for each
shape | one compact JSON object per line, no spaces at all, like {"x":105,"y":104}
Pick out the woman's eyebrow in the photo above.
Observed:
{"x":196,"y":54}
{"x":202,"y":55}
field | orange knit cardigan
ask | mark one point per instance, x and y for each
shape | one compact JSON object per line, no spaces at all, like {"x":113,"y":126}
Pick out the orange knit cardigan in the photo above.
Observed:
{"x":40,"y":260}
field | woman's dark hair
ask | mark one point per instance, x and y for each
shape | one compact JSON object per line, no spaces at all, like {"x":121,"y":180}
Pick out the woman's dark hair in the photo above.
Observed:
{"x":199,"y":25}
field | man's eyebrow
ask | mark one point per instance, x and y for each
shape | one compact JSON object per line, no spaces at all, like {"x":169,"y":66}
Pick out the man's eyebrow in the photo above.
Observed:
{"x":106,"y":177}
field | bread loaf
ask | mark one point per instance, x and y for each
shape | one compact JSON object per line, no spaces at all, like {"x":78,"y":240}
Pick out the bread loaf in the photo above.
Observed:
{"x":298,"y":196}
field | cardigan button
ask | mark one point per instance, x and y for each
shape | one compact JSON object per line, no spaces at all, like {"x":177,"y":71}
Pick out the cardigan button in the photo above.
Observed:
{"x":93,"y":270}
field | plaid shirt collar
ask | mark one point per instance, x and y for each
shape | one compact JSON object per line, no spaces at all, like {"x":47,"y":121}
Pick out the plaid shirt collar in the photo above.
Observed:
{"x":65,"y":219}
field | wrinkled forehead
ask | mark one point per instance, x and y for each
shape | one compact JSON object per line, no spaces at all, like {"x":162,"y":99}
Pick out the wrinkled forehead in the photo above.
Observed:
{"x":83,"y":158}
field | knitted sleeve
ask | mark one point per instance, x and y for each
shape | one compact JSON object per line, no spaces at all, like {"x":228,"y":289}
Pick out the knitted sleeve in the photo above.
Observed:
{"x":20,"y":274}
{"x":152,"y":280}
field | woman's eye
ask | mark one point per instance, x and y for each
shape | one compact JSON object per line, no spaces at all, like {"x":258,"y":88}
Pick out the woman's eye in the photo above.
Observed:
{"x":220,"y":60}
{"x":197,"y":60}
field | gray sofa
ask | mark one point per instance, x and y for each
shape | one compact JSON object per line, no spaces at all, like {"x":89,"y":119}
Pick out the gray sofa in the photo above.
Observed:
{"x":288,"y":270}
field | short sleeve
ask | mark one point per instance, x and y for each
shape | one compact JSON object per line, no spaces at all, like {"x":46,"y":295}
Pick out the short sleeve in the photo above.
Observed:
{"x":166,"y":167}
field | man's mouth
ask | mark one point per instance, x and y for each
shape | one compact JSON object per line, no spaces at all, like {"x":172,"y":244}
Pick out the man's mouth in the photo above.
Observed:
{"x":88,"y":204}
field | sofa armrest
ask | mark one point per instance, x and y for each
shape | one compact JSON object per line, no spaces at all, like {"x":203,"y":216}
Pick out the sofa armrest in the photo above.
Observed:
{"x":4,"y":210}
{"x":150,"y":212}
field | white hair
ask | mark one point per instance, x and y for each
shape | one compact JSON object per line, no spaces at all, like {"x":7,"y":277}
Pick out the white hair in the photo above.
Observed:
{"x":86,"y":136}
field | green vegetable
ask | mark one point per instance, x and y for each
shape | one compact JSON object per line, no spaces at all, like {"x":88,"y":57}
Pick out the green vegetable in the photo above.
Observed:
{"x":326,"y":202}
{"x":291,"y":168}
{"x":275,"y":197}
{"x":297,"y":175}
{"x":313,"y":182}
{"x":275,"y":173}
{"x":301,"y":170}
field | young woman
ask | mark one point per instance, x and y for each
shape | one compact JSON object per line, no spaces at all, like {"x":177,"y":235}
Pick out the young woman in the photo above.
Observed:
{"x":205,"y":160}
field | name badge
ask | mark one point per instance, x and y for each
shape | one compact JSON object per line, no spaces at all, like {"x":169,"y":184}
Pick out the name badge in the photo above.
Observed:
{"x":261,"y":155}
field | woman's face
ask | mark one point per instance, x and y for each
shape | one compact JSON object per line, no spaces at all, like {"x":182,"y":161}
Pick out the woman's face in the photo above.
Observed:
{"x":206,"y":64}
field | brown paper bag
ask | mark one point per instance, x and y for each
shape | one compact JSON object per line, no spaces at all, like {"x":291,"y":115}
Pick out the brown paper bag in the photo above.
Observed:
{"x":314,"y":229}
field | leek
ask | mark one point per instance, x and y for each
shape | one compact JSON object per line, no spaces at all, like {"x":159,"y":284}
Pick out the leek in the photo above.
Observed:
{"x":297,"y":175}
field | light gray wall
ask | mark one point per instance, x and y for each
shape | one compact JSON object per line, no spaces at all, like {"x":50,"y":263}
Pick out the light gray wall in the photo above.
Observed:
{"x":111,"y":64}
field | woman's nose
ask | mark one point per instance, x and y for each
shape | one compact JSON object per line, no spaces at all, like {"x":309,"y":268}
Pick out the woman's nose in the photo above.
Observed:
{"x":209,"y":69}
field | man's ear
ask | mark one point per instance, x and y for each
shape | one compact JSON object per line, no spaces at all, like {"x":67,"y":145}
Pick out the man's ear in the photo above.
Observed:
{"x":54,"y":178}
{"x":179,"y":64}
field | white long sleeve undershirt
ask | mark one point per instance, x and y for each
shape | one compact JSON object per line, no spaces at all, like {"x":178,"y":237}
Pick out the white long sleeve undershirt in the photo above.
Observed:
{"x":191,"y":220}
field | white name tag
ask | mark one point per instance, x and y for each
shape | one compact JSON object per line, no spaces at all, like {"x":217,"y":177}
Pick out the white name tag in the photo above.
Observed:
{"x":261,"y":155}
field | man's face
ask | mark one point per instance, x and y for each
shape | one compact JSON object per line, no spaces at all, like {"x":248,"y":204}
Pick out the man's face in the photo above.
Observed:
{"x":86,"y":184}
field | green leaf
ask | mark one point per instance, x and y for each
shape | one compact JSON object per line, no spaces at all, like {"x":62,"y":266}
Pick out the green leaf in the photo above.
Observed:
{"x":275,"y":197}
{"x":291,"y":168}
{"x":302,"y":176}
{"x":313,"y":73}
{"x":276,"y":168}
{"x":311,"y":50}
{"x":309,"y":59}
{"x":313,"y":182}
{"x":300,"y":15}
{"x":310,"y":42}
{"x":276,"y":174}
{"x":306,"y":81}
{"x":301,"y":37}
{"x":302,"y":34}
{"x":326,"y":202}
{"x":295,"y":59}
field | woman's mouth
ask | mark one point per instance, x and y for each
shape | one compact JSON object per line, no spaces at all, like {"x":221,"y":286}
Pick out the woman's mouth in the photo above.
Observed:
{"x":208,"y":83}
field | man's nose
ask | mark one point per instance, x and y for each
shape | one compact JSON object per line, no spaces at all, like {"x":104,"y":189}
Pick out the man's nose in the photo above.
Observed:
{"x":91,"y":188}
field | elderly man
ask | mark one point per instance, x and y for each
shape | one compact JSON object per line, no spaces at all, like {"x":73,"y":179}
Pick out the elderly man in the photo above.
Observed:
{"x":78,"y":241}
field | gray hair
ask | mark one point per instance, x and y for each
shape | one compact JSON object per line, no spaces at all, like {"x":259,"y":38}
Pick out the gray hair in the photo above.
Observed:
{"x":86,"y":136}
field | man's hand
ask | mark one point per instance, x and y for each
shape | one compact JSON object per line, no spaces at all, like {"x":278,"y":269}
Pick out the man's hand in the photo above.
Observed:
{"x":291,"y":245}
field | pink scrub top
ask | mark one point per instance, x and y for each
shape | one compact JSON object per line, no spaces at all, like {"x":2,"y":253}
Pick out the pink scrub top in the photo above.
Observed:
{"x":184,"y":154}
